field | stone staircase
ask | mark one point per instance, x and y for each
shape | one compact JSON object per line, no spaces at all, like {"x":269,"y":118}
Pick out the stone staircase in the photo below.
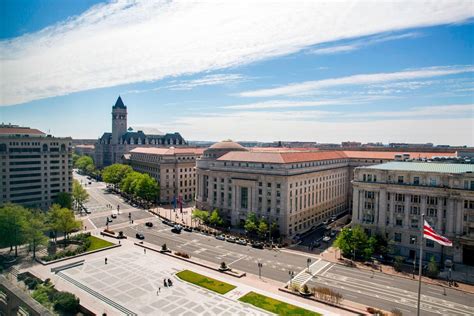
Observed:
{"x":96,"y":294}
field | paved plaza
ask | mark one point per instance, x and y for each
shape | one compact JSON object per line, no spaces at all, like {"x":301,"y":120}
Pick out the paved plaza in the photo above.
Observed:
{"x":132,"y":279}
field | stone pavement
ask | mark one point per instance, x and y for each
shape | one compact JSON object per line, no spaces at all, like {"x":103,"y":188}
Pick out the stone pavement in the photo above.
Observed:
{"x":133,"y":280}
{"x":331,"y":254}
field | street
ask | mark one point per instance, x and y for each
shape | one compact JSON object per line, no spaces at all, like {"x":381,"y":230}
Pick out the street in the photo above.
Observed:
{"x":366,"y":287}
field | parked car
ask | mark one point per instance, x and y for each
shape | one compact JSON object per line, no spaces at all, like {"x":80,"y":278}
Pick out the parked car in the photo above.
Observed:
{"x":220,"y":237}
{"x":325,"y":222}
{"x":333,"y":218}
{"x":316,"y":245}
{"x":241,"y":242}
{"x":167,"y":222}
{"x":139,"y":236}
{"x":113,"y":215}
{"x":231,"y":239}
{"x":176,"y":229}
{"x":326,"y":238}
{"x":188,"y":229}
{"x":149,"y":224}
{"x":258,"y":245}
{"x":333,"y":233}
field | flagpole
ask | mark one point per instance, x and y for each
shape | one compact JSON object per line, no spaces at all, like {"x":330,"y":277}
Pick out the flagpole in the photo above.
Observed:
{"x":420,"y":262}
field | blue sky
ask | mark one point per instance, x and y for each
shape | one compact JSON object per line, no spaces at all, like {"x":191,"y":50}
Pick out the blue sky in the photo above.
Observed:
{"x":309,"y":71}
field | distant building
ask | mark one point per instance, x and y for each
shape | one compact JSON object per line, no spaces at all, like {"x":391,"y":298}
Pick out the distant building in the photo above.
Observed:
{"x":296,"y":188}
{"x":173,"y":168}
{"x":35,"y":167}
{"x":88,"y":150}
{"x":389,"y":198}
{"x":111,"y":147}
{"x":351,"y":144}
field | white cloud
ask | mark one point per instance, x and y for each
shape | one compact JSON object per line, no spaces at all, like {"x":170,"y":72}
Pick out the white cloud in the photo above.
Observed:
{"x":354,"y":45}
{"x":308,"y":87}
{"x":209,"y":80}
{"x":425,"y":111}
{"x":124,"y":42}
{"x":270,"y":126}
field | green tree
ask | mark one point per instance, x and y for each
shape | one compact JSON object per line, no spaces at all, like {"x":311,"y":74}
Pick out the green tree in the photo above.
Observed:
{"x":433,"y":269}
{"x":82,"y":163}
{"x":79,"y":194}
{"x":115,"y":173}
{"x":62,"y":220}
{"x":275,"y":232}
{"x":202,"y":216}
{"x":146,"y":188}
{"x":129,"y":183}
{"x":215,"y":219}
{"x":66,"y":303}
{"x":354,"y":241}
{"x":13,"y":219}
{"x":64,"y":199}
{"x":251,"y":223}
{"x":262,"y":228}
{"x":35,"y":230}
{"x":75,"y":157}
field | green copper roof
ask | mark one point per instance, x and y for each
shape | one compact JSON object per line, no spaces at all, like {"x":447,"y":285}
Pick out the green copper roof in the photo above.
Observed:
{"x":119,"y":104}
{"x":424,"y":167}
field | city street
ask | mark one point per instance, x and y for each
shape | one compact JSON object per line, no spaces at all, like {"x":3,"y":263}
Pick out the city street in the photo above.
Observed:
{"x":366,"y":287}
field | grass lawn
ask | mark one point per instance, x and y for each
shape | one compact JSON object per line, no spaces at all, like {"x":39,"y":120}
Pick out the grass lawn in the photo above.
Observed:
{"x":274,"y":306}
{"x":205,"y":282}
{"x":97,"y":243}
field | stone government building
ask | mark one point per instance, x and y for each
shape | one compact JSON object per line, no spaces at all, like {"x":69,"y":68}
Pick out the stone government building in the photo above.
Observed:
{"x":296,"y":188}
{"x":111,"y":147}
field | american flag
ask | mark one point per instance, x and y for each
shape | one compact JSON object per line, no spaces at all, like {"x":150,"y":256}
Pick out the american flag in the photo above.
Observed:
{"x":429,"y":233}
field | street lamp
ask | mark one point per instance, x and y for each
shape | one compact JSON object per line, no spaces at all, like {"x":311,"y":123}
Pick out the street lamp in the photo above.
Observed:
{"x":413,"y":239}
{"x":260,"y":265}
{"x":308,"y":261}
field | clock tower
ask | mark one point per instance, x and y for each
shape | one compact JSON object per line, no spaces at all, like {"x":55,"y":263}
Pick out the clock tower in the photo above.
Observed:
{"x":119,"y":120}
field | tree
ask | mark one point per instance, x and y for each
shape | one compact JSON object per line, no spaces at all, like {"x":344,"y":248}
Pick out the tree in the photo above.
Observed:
{"x":129,"y":183}
{"x":115,"y":173}
{"x":79,"y":194}
{"x":66,"y":303}
{"x":433,"y":269}
{"x":202,"y":216}
{"x":62,"y":220}
{"x":251,"y":223}
{"x":262,"y":228}
{"x":82,"y":163}
{"x":35,"y":230}
{"x":274,"y":231}
{"x":215,"y":219}
{"x":146,"y":188}
{"x":12,"y":225}
{"x":354,"y":241}
{"x":64,"y":199}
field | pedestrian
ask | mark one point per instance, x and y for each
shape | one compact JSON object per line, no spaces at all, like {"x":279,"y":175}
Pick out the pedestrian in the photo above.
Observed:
{"x":144,"y":250}
{"x":132,"y":221}
{"x":105,"y":260}
{"x":159,"y":289}
{"x":164,"y":283}
{"x":119,"y":241}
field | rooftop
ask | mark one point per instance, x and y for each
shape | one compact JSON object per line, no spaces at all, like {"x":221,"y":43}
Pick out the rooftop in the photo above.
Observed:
{"x":424,"y":167}
{"x":19,"y":130}
{"x":167,"y":151}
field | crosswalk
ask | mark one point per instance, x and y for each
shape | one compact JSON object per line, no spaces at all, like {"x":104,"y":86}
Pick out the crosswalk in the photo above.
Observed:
{"x":307,"y":274}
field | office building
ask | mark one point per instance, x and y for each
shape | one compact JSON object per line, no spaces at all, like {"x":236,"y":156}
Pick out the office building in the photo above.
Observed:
{"x":35,"y":167}
{"x":389,"y":198}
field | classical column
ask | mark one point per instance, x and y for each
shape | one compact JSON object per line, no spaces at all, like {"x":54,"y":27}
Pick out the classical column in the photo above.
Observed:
{"x":376,"y":207}
{"x":450,"y":216}
{"x":355,"y":206}
{"x":423,"y":205}
{"x":392,"y":210}
{"x":440,"y":214}
{"x":459,"y":217}
{"x":382,"y":208}
{"x":407,"y":211}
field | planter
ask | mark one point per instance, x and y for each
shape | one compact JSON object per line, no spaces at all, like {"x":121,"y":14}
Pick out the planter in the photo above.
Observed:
{"x":224,"y":269}
{"x":165,"y":251}
{"x":304,"y":294}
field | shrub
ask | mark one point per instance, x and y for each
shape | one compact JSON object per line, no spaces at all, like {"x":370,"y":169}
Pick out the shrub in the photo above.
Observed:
{"x":433,"y":270}
{"x":32,"y":283}
{"x":164,"y":247}
{"x":294,"y":288}
{"x":66,"y":303}
{"x":305,"y":289}
{"x":328,"y":295}
{"x":398,"y":263}
{"x":223,"y":265}
{"x":182,"y":254}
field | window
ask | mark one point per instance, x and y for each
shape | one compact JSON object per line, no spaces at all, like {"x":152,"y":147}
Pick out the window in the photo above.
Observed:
{"x":400,"y":179}
{"x":433,"y":182}
{"x":429,"y":243}
{"x":244,"y":192}
{"x":399,"y":208}
{"x":416,"y":180}
{"x":415,"y":199}
{"x":414,"y":210}
{"x":414,"y":223}
{"x":369,"y":195}
{"x":399,"y":222}
{"x":413,"y":239}
{"x":398,"y":237}
{"x":432,"y":212}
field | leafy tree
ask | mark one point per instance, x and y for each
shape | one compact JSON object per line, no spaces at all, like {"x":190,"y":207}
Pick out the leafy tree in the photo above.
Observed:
{"x":202,"y":216}
{"x":62,"y":220}
{"x":129,"y":183}
{"x":354,"y":241}
{"x":64,"y":199}
{"x":215,"y":219}
{"x":146,"y":187}
{"x":397,"y":265}
{"x":13,"y":219}
{"x":79,"y":194}
{"x":275,"y":232}
{"x":262,"y":228}
{"x":251,"y":223}
{"x":115,"y":173}
{"x":35,"y":230}
{"x":433,"y":269}
{"x":82,"y":163}
{"x":75,"y":157}
{"x":66,"y":303}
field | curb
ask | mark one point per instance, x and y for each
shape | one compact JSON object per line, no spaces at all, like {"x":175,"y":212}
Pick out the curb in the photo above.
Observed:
{"x":170,"y":254}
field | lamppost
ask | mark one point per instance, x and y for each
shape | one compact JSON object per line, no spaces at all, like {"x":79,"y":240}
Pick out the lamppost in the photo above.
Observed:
{"x":308,"y":261}
{"x":260,"y":265}
{"x":413,"y":239}
{"x":291,"y":274}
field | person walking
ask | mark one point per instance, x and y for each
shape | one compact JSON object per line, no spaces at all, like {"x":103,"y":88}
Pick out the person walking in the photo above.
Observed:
{"x":144,"y":251}
{"x":105,"y":260}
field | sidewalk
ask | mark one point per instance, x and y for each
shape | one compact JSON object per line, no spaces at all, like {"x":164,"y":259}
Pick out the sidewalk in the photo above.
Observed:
{"x":331,"y":254}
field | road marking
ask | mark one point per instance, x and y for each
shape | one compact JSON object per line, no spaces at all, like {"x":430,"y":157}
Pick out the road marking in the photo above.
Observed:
{"x":236,"y":260}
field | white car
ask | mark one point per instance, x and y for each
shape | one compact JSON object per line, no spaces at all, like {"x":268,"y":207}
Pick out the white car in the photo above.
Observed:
{"x":231,"y":239}
{"x":326,"y":238}
{"x":220,"y":237}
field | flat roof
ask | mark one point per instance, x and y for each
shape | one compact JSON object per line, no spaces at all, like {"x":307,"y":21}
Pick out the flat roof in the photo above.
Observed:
{"x":167,"y":151}
{"x":424,"y":167}
{"x":16,"y":130}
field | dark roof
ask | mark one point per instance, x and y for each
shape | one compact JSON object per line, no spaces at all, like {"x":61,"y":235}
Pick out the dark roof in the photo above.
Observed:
{"x":17,"y":130}
{"x":119,"y":104}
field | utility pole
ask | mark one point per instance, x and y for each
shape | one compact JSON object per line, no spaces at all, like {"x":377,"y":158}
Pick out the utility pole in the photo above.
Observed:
{"x":260,"y":265}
